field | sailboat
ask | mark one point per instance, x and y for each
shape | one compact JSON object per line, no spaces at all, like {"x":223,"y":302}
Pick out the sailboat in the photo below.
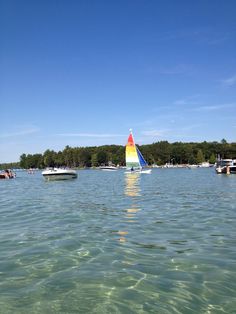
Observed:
{"x":135,"y":161}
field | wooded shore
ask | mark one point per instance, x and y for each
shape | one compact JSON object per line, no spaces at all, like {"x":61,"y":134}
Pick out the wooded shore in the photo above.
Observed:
{"x":159,"y":153}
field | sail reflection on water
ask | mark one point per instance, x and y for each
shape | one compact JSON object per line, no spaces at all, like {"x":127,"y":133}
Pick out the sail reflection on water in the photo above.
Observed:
{"x":131,"y":213}
{"x":132,"y":184}
{"x":132,"y":190}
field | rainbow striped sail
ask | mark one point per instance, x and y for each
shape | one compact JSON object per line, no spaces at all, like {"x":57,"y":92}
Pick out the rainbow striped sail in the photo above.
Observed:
{"x":133,"y":156}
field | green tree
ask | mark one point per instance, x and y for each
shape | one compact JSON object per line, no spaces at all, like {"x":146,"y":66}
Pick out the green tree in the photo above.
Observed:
{"x":23,"y":161}
{"x":212,"y":159}
{"x":176,"y":153}
{"x":102,"y":157}
{"x":200,"y":158}
{"x":160,"y":152}
{"x":49,"y":158}
{"x":94,"y":160}
{"x":68,"y":156}
{"x":59,"y":159}
{"x":85,"y":157}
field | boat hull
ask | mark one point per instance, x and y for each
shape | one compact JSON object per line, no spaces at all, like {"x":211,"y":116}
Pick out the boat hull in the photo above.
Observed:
{"x":59,"y":174}
{"x":232,"y":169}
{"x":5,"y":177}
{"x":2,"y":177}
{"x":144,"y":171}
{"x":108,"y":168}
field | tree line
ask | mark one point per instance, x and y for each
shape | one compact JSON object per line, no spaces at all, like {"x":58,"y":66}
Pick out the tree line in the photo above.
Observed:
{"x":158,"y":153}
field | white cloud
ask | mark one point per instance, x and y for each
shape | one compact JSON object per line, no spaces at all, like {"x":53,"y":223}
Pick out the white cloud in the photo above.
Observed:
{"x":20,"y":132}
{"x":177,"y":69}
{"x":191,"y":127}
{"x":215,"y":107}
{"x":190,"y":100}
{"x":198,"y":35}
{"x":181,"y":102}
{"x":92,"y":135}
{"x":231,"y":81}
{"x":153,"y":133}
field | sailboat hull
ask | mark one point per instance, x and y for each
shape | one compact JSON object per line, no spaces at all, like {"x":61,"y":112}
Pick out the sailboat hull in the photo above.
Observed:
{"x":144,"y":171}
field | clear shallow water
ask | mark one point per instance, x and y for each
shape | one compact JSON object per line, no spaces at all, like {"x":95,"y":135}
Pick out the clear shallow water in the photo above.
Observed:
{"x":110,"y":242}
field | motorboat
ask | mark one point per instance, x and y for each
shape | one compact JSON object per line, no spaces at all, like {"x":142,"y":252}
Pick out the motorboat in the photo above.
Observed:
{"x":51,"y":174}
{"x":193,"y":166}
{"x":108,"y":168}
{"x":227,"y":166}
{"x":205,"y":164}
{"x":7,"y":174}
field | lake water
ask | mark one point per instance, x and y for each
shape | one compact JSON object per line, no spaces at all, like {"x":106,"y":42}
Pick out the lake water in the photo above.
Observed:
{"x":110,"y":242}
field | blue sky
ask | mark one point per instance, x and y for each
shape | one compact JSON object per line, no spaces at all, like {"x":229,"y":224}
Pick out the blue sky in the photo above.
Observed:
{"x":82,"y":73}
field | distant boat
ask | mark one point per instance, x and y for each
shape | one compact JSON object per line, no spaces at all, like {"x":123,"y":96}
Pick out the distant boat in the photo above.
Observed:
{"x":135,"y":161}
{"x":7,"y":174}
{"x":52,"y":174}
{"x":193,"y":166}
{"x":205,"y":164}
{"x":108,"y":168}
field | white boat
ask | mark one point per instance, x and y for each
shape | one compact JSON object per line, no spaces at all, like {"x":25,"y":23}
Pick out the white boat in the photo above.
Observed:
{"x":205,"y":164}
{"x":108,"y":168}
{"x":135,"y":161}
{"x":193,"y":166}
{"x":51,"y":174}
{"x":227,"y":166}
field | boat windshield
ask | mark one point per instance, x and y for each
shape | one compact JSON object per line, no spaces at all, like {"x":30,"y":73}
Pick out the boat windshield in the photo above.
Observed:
{"x":225,"y":162}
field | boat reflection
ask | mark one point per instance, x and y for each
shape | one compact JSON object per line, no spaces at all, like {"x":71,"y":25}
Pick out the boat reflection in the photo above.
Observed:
{"x":132,"y":184}
{"x":132,"y":190}
{"x":131,"y":213}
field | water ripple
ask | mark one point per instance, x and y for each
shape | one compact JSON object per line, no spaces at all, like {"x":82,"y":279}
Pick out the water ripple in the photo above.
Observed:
{"x":118,"y":243}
